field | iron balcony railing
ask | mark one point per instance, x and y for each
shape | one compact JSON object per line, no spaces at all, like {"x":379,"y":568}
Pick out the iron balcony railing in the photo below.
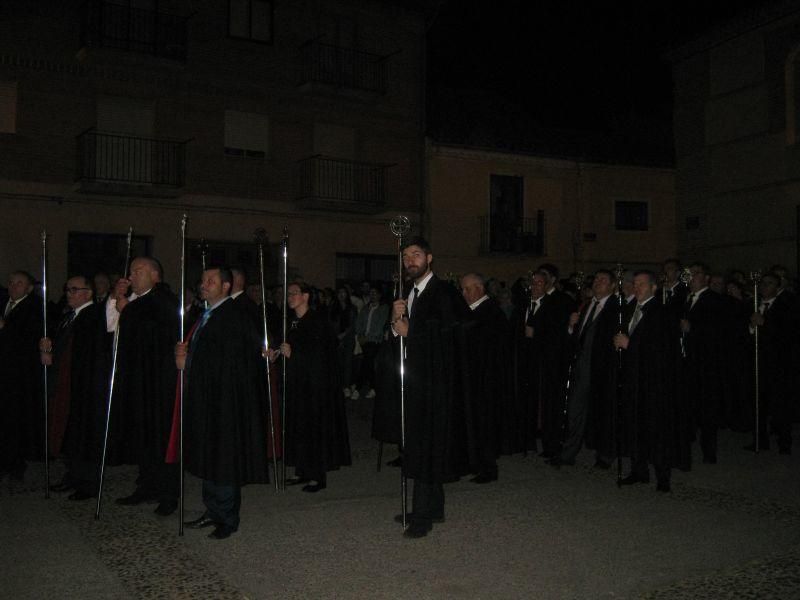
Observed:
{"x":342,"y":67}
{"x":116,"y":157}
{"x":513,"y":236}
{"x":110,"y":25}
{"x":322,"y":180}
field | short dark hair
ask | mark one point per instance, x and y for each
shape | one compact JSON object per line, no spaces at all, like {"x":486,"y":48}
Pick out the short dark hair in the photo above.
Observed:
{"x":417,"y":241}
{"x":612,"y":277}
{"x":305,"y":288}
{"x":154,"y":263}
{"x":772,"y":275}
{"x":550,"y":269}
{"x":26,"y":275}
{"x":87,"y":281}
{"x":649,"y":274}
{"x":225,"y":274}
{"x":702,"y":266}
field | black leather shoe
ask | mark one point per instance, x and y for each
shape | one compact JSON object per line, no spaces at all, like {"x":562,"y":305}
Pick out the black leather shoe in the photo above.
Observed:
{"x":297,"y":481}
{"x":314,"y":488}
{"x":81,"y":495}
{"x":221,"y":532}
{"x":200,"y":523}
{"x":410,"y":517}
{"x":62,"y":486}
{"x":137,"y":497}
{"x":633,"y":478}
{"x":601,"y":464}
{"x":166,"y":508}
{"x":418,"y":529}
{"x":484,"y":478}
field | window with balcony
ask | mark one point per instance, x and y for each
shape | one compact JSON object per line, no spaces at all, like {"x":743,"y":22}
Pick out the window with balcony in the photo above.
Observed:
{"x":246,"y":134}
{"x":250,"y":20}
{"x":631,"y":215}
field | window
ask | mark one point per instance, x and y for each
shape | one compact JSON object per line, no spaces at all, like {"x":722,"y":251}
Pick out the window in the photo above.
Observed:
{"x":8,"y":106}
{"x":93,"y":252}
{"x":250,"y":20}
{"x":505,"y":212}
{"x":246,"y":134}
{"x":631,"y":215}
{"x":355,"y":268}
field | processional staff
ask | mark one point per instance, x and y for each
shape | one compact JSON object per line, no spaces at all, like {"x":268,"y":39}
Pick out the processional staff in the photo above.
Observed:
{"x":111,"y":387}
{"x":181,"y":333}
{"x":285,"y":246}
{"x":579,"y":277}
{"x":44,"y":371}
{"x":400,"y":227}
{"x":755,"y":277}
{"x":202,"y":245}
{"x":261,"y":240}
{"x":620,"y":273}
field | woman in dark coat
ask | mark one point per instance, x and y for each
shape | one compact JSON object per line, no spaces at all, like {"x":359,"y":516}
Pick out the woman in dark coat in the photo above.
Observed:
{"x":316,"y":424}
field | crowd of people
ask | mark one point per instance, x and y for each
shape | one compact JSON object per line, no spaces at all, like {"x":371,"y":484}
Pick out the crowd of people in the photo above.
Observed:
{"x":638,"y":365}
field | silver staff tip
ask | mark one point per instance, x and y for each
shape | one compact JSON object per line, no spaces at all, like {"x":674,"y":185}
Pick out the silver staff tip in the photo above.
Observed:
{"x":400,"y":225}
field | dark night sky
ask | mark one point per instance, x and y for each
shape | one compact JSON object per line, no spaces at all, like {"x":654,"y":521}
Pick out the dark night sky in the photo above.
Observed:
{"x":504,"y":72}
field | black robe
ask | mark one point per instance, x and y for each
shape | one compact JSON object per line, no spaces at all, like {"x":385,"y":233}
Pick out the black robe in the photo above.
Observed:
{"x":21,"y":380}
{"x":437,"y":388}
{"x":89,"y":351}
{"x":650,"y":415}
{"x":317,"y":438}
{"x":144,"y":389}
{"x":225,"y":400}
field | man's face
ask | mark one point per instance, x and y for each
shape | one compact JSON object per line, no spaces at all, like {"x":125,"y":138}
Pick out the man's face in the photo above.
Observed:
{"x":295,"y":298}
{"x":365,"y":289}
{"x":602,"y":285}
{"x":18,"y":286}
{"x":471,"y":289}
{"x":717,"y":284}
{"x":643,"y":288}
{"x":212,"y":289}
{"x":671,"y":271}
{"x":416,"y":262}
{"x":143,"y":277}
{"x":78,"y":292}
{"x":374,"y":296}
{"x":699,"y":279}
{"x":768,"y":288}
{"x":102,"y":284}
{"x":538,"y":285}
{"x":254,"y":292}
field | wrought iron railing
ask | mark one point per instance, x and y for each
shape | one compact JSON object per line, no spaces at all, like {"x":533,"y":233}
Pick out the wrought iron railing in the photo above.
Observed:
{"x":116,"y":157}
{"x":324,"y":179}
{"x":110,"y":25}
{"x":342,"y":67}
{"x":513,"y":236}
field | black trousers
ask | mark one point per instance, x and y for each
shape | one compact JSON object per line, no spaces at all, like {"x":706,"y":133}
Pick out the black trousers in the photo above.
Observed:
{"x":427,"y":501}
{"x":222,"y":503}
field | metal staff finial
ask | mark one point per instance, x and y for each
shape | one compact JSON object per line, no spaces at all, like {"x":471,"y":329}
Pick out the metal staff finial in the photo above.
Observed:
{"x":262,"y":240}
{"x":400,"y":227}
{"x":44,"y":370}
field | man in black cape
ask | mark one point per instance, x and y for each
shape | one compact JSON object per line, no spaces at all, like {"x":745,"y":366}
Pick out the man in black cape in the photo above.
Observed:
{"x":702,"y":327}
{"x":80,"y":356}
{"x":650,"y":414}
{"x":225,"y":405}
{"x":144,"y":388}
{"x":434,"y":396}
{"x":21,"y":402}
{"x":491,"y":405}
{"x":592,"y":381}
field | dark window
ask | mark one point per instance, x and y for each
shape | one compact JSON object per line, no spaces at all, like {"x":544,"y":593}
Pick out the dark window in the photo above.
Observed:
{"x":692,"y":223}
{"x":243,"y":254}
{"x":250,"y":20}
{"x":505,"y":211}
{"x":630,"y":216}
{"x":355,"y":268}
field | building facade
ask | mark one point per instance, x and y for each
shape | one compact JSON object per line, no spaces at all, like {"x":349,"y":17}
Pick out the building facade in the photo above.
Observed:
{"x":243,"y":114}
{"x":737,"y":140}
{"x":503,"y":213}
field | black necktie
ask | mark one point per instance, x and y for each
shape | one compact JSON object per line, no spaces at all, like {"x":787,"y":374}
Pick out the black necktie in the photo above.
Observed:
{"x":587,"y":321}
{"x":68,"y":319}
{"x":414,"y":295}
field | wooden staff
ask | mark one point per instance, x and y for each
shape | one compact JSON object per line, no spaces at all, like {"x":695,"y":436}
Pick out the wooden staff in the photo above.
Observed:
{"x":111,"y":387}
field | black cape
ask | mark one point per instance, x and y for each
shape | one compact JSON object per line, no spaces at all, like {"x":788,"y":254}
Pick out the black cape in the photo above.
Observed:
{"x":225,"y":400}
{"x":317,"y":438}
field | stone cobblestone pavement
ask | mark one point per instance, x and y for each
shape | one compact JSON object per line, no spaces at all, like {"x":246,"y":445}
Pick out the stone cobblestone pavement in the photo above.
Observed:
{"x":726,"y":531}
